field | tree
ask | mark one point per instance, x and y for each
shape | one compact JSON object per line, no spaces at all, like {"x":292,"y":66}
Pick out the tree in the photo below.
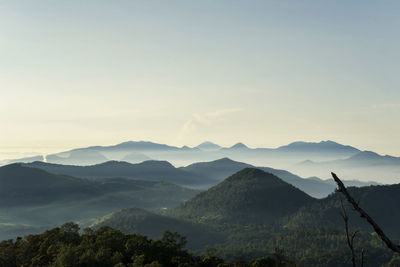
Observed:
{"x":342,"y":189}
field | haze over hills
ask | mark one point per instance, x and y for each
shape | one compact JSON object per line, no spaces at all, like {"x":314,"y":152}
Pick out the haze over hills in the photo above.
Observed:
{"x":148,"y":170}
{"x":361,"y":159}
{"x":208,"y":146}
{"x":307,"y":159}
{"x":365,"y":165}
{"x":200,"y":175}
{"x":328,"y":147}
{"x":222,"y":168}
{"x":22,"y":160}
{"x":32,"y":198}
{"x":239,"y":146}
{"x":135,"y":158}
{"x":77,"y":157}
{"x":252,"y":210}
{"x":325,"y":149}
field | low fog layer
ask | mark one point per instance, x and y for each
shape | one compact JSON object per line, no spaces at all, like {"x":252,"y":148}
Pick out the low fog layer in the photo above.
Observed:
{"x":302,"y":158}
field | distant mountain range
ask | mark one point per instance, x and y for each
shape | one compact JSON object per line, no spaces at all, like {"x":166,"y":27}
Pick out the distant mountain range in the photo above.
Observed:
{"x":360,"y":159}
{"x":307,"y":159}
{"x":365,"y":165}
{"x":328,"y":147}
{"x":150,"y":150}
{"x":206,"y":146}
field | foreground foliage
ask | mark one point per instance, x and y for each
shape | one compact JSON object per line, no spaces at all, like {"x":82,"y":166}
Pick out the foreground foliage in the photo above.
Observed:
{"x":66,"y":246}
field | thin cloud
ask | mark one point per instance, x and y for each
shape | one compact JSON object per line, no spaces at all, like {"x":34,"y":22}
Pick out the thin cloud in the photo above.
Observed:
{"x":386,"y":106}
{"x":205,"y":119}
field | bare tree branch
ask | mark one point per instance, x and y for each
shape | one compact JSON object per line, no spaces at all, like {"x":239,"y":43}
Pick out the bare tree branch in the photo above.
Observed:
{"x":350,"y":240}
{"x":342,"y":189}
{"x":362,"y":258}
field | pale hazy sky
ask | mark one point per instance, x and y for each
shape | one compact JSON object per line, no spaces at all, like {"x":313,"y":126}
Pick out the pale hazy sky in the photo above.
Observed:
{"x":79,"y":73}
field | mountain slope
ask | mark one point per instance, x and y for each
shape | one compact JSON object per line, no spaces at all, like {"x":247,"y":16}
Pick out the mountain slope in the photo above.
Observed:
{"x":77,"y":157}
{"x":365,"y":165}
{"x":321,"y":147}
{"x":130,"y":146}
{"x":239,"y":146}
{"x":381,"y":202}
{"x":208,"y":146}
{"x":27,"y":186}
{"x":217,"y":169}
{"x":21,"y":185}
{"x":36,"y":198}
{"x":99,"y":154}
{"x":249,"y":196}
{"x":222,"y":168}
{"x":368,"y":158}
{"x":24,"y":160}
{"x":360,"y":159}
{"x":140,"y":221}
{"x":135,"y":158}
{"x":147,"y":170}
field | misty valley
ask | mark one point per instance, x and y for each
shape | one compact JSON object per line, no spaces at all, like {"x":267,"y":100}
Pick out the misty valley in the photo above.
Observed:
{"x":206,"y":206}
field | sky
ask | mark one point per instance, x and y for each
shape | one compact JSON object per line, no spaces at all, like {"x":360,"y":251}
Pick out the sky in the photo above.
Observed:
{"x":266,"y":73}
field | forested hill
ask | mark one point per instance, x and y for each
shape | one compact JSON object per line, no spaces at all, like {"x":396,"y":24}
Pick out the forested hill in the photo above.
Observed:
{"x":225,"y":167}
{"x":25,"y":186}
{"x":250,"y":195}
{"x":32,"y":199}
{"x":380,"y":201}
{"x":148,"y":170}
{"x":153,"y":225}
{"x":28,"y":186}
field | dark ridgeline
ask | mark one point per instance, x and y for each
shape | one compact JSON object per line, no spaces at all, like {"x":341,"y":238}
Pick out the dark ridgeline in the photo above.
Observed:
{"x":150,"y":170}
{"x":225,"y":167}
{"x":200,"y":175}
{"x":20,"y":186}
{"x":32,"y":199}
{"x":249,"y":196}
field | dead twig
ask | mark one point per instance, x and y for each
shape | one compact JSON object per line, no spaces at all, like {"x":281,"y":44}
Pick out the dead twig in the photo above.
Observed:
{"x":350,"y":240}
{"x":342,"y":189}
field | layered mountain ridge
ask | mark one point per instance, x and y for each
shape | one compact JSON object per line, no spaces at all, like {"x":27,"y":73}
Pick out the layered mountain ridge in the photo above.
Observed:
{"x":307,"y":159}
